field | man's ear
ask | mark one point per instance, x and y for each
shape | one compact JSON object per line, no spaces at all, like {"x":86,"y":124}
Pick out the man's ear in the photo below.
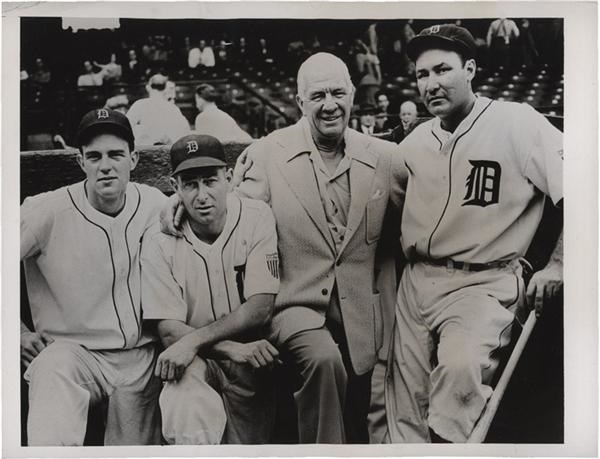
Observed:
{"x":79,"y":159}
{"x":228,"y":174}
{"x":471,"y":67}
{"x":174,"y":184}
{"x":135,"y":157}
{"x":300,"y":103}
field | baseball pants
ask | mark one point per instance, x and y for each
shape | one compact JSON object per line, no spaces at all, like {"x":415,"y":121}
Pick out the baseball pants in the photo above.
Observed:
{"x":450,"y":326}
{"x":65,"y":379}
{"x":218,"y":402}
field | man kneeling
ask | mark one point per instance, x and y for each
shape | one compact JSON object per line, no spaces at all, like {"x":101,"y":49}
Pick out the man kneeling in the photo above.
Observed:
{"x":212,"y":293}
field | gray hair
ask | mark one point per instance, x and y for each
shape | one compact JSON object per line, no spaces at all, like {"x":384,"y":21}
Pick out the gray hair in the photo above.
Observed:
{"x":325,"y":60}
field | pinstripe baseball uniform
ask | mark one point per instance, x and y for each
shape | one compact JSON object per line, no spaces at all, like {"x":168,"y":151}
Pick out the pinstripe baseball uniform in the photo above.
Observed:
{"x":473,"y":196}
{"x":196,"y":283}
{"x":83,"y":281}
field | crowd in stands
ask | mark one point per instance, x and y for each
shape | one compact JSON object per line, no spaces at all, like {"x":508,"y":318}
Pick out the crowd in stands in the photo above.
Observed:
{"x":375,"y":53}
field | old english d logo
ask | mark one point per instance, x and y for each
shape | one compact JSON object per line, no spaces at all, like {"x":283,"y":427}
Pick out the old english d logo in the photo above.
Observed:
{"x":102,"y":114}
{"x":483,"y":184}
{"x":192,"y":146}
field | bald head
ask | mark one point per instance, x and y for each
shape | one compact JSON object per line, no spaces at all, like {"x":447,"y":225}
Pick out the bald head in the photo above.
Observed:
{"x":408,"y":113}
{"x":322,"y":66}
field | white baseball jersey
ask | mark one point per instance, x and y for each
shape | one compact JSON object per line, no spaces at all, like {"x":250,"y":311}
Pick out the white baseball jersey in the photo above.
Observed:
{"x":477,"y":195}
{"x":197,"y":283}
{"x":82,"y":266}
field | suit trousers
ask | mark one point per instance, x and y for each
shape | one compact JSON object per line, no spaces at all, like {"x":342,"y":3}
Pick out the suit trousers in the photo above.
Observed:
{"x":65,"y":379}
{"x":332,"y":401}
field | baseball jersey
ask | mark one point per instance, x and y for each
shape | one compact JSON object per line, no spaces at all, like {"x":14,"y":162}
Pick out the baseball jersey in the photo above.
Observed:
{"x":186,"y":279}
{"x":214,"y":121}
{"x":477,"y":195}
{"x":82,"y":266}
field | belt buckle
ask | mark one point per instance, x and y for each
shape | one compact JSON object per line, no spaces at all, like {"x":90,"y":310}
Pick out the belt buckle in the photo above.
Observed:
{"x":466,"y":266}
{"x":449,"y":264}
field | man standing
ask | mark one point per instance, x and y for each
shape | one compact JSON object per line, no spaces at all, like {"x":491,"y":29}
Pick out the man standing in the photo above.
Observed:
{"x":155,"y":120}
{"x":213,"y":121}
{"x":81,"y":246}
{"x":477,"y":176}
{"x":329,"y":189}
{"x":212,"y":293}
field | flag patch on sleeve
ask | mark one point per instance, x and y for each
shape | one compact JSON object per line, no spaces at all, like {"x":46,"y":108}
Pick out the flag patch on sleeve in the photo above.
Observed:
{"x":273,"y":264}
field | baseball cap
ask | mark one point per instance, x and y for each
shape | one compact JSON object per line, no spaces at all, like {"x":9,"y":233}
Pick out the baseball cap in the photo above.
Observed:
{"x":158,"y":82}
{"x":104,"y":119}
{"x":445,"y":35}
{"x":195,"y":151}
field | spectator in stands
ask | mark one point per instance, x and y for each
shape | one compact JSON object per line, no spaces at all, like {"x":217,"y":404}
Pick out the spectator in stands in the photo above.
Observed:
{"x":119,"y":103}
{"x":242,"y":52}
{"x":90,"y":77}
{"x":528,"y":52}
{"x":501,"y":34}
{"x":112,"y":71}
{"x":264,"y":57}
{"x":366,"y":119}
{"x":134,"y":71}
{"x":383,"y":121}
{"x":202,"y":56}
{"x":41,"y":74}
{"x":156,"y":121}
{"x":222,"y":56}
{"x":367,"y":72}
{"x":408,"y":121}
{"x":215,"y":122}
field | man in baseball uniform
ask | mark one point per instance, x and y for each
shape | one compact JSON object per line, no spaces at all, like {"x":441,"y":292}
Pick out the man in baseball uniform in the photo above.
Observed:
{"x":329,"y":188}
{"x":476,"y":178}
{"x":212,"y":292}
{"x":81,"y":246}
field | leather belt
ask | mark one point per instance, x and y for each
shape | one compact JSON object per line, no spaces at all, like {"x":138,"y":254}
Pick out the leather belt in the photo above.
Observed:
{"x":462,"y":265}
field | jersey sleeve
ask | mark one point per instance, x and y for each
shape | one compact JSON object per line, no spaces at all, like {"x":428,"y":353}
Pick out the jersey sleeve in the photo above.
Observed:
{"x":36,"y":224}
{"x":262,"y":263}
{"x":542,"y":146}
{"x":162,"y":297}
{"x":398,"y":177}
{"x":255,"y":184}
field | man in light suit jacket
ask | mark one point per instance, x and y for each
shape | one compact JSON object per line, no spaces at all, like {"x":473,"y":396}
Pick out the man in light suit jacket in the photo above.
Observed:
{"x":329,"y":189}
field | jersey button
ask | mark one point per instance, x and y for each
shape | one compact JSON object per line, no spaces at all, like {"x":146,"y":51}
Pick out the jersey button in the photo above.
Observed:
{"x":324,"y":291}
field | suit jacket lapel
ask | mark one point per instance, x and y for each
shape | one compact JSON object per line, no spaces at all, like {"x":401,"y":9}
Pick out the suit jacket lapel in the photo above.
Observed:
{"x":362,"y":172}
{"x":297,"y":169}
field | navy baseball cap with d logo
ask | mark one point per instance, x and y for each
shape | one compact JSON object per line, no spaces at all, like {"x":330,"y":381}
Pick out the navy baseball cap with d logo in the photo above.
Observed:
{"x":444,"y":36}
{"x":103,"y":120}
{"x":196,"y":151}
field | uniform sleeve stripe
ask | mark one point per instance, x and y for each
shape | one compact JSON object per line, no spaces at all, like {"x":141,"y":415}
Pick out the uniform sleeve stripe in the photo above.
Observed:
{"x":111,"y":261}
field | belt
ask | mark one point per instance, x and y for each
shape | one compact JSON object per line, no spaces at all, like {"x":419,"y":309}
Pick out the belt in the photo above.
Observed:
{"x":462,"y":265}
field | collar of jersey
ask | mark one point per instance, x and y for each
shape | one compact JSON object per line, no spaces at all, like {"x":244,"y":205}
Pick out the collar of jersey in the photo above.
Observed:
{"x":480,"y":104}
{"x":234,"y":206}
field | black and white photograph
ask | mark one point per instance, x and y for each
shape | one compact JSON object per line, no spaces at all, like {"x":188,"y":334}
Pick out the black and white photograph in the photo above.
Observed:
{"x":303,"y":228}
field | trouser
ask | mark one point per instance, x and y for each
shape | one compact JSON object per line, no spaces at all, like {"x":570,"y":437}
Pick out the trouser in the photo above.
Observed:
{"x":376,"y":419}
{"x":218,"y":402}
{"x":450,"y":327}
{"x":332,"y":401}
{"x":65,"y":379}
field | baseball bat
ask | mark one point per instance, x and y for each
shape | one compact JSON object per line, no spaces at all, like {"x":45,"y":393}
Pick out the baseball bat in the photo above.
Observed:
{"x":483,"y":425}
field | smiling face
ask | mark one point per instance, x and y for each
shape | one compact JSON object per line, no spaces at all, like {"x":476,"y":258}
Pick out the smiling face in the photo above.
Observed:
{"x":107,"y":163}
{"x":204,"y":196}
{"x":444,"y":83}
{"x":325,"y":96}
